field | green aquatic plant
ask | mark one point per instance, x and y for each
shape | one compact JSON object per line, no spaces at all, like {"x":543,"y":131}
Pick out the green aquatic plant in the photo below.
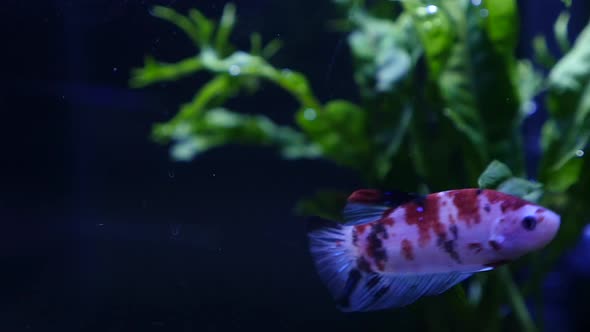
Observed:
{"x":439,"y":84}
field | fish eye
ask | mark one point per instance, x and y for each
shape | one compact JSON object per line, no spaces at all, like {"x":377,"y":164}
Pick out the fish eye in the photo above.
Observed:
{"x":529,"y":223}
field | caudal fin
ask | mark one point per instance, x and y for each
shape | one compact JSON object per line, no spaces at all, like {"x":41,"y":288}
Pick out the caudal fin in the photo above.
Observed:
{"x":334,"y":256}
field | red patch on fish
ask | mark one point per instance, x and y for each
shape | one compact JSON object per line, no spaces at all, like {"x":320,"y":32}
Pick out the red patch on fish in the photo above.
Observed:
{"x":389,"y":221}
{"x":426,"y":217}
{"x":509,"y":202}
{"x":360,"y":229}
{"x":366,"y":196}
{"x":475,"y":246}
{"x":513,"y":203}
{"x":467,"y":203}
{"x":494,"y":196}
{"x":407,"y":250}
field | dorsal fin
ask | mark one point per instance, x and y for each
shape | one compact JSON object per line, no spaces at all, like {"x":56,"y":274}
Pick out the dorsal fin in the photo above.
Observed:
{"x":368,"y":205}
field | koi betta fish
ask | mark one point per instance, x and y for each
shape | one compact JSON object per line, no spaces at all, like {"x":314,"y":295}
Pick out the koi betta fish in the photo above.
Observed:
{"x":394,"y":247}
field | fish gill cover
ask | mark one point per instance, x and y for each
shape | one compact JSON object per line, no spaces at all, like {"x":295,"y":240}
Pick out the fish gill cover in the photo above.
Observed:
{"x":443,"y":98}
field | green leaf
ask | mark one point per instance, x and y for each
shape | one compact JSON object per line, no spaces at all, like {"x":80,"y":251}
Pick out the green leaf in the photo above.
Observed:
{"x":184,"y":23}
{"x":391,"y":68}
{"x":541,"y":52}
{"x":568,"y":130}
{"x":565,"y":176}
{"x":499,"y":177}
{"x":572,"y":72}
{"x":210,"y":95}
{"x":560,"y":30}
{"x":339,"y":130}
{"x":529,"y":85}
{"x":226,"y":24}
{"x":494,"y":174}
{"x":205,"y":27}
{"x":271,"y":48}
{"x":501,"y":24}
{"x":154,"y":72}
{"x":384,"y":51}
{"x":435,"y":30}
{"x":517,"y":301}
{"x":219,"y":126}
{"x":522,"y":188}
{"x":478,"y":83}
{"x":255,"y":44}
{"x":392,"y":143}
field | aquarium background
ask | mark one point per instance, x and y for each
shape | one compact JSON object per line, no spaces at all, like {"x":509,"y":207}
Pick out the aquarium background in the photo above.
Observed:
{"x":101,"y":231}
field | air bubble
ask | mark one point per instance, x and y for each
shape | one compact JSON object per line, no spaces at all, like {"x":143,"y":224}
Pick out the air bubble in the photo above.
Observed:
{"x":431,"y":9}
{"x":476,"y":2}
{"x":580,"y":153}
{"x":484,"y":13}
{"x":309,"y":114}
{"x":234,"y":70}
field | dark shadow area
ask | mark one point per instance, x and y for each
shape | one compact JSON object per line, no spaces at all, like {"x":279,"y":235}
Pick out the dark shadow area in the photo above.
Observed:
{"x":101,"y":231}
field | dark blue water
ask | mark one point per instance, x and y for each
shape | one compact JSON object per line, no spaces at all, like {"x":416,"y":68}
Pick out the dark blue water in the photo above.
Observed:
{"x":100,"y":231}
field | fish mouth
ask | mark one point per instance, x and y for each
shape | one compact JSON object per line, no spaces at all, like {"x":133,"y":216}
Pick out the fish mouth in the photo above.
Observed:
{"x":551,"y":227}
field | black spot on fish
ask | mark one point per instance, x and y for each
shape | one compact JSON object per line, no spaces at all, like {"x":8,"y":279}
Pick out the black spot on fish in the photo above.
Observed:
{"x":495,"y":245}
{"x":478,"y":192}
{"x":449,"y":245}
{"x":375,"y":247}
{"x":487,"y":208}
{"x":379,"y":229}
{"x":455,"y":231}
{"x":420,"y":200}
{"x":394,"y":198}
{"x":363,"y":264}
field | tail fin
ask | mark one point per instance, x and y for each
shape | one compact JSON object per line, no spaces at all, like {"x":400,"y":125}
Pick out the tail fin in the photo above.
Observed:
{"x":334,"y":256}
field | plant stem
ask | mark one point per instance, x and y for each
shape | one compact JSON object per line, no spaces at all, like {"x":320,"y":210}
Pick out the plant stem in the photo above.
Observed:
{"x":516,"y":300}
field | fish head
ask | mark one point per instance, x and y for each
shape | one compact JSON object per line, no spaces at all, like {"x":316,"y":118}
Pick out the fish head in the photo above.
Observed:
{"x":522,"y":230}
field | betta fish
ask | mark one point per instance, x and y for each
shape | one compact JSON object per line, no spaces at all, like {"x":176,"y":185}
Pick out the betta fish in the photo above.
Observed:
{"x":394,"y":247}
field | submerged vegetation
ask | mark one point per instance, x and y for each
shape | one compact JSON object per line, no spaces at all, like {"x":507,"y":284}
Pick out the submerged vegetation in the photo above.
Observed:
{"x":443,"y":98}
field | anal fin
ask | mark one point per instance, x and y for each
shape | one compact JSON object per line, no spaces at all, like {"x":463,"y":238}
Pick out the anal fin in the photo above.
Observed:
{"x":387,"y":291}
